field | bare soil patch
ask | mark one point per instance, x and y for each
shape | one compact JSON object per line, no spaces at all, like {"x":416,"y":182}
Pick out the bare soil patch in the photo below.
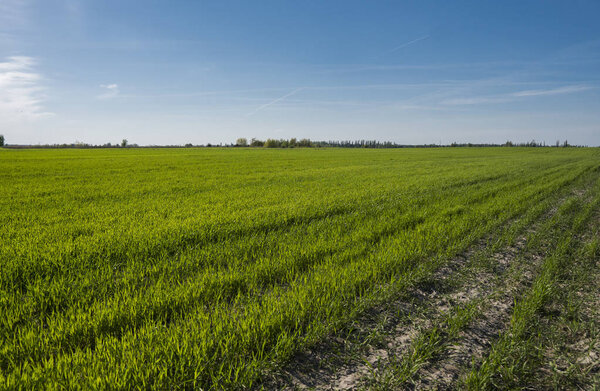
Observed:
{"x":349,"y":363}
{"x":357,"y":360}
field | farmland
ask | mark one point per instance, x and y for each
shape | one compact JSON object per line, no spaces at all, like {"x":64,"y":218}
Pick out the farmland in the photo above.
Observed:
{"x":215,"y":268}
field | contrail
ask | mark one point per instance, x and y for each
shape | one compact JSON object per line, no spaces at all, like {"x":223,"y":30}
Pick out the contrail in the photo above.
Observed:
{"x":407,"y":44}
{"x":275,"y":101}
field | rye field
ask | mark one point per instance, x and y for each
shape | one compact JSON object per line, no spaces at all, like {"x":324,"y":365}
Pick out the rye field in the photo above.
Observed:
{"x":316,"y":268}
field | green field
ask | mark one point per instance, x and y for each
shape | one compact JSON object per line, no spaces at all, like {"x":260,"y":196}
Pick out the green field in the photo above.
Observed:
{"x":211,"y":268}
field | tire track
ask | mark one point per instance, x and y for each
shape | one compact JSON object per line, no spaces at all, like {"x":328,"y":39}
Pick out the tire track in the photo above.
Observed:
{"x":340,"y":364}
{"x":384,"y":335}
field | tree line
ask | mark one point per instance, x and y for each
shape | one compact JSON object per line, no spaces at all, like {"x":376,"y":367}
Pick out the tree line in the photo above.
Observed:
{"x":295,"y":143}
{"x":307,"y":143}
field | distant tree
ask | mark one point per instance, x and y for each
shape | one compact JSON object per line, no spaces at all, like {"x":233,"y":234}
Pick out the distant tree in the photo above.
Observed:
{"x":188,"y":145}
{"x":1,"y":140}
{"x":566,"y":143}
{"x":271,"y":143}
{"x":304,"y":143}
{"x":124,"y":143}
{"x":256,"y":143}
{"x":241,"y":142}
{"x":293,"y":142}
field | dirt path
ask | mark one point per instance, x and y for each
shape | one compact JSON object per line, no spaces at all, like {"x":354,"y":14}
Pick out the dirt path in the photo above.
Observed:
{"x":350,"y":363}
{"x":367,"y":356}
{"x":496,"y":293}
{"x":571,"y":344}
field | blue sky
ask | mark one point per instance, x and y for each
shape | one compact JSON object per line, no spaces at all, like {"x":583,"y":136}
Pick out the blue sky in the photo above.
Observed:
{"x":173,"y":72}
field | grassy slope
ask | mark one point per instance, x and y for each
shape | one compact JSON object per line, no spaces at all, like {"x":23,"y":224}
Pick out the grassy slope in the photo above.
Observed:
{"x":201,"y":267}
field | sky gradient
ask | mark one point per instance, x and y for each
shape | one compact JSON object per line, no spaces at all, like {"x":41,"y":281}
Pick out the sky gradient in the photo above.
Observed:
{"x":176,"y":72}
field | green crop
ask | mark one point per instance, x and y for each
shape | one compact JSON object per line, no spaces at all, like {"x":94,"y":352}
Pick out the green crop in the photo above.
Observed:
{"x":202,"y":268}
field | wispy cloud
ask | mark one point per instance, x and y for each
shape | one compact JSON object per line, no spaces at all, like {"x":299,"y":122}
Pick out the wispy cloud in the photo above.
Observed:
{"x":111,"y":91}
{"x":192,"y":94}
{"x":466,"y":66}
{"x":21,"y":93}
{"x":477,"y":100}
{"x":406,"y":44}
{"x":510,"y":97}
{"x":275,"y":101}
{"x":554,"y":91}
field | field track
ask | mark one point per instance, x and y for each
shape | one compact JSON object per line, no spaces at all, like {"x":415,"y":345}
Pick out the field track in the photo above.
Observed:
{"x":432,"y":334}
{"x":303,"y":268}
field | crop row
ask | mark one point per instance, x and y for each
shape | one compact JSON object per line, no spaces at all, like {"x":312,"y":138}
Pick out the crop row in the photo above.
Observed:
{"x":159,"y":269}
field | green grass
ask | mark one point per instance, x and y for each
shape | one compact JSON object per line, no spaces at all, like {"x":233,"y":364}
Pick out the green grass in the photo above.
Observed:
{"x":549,"y":307}
{"x":202,"y":268}
{"x":548,"y":237}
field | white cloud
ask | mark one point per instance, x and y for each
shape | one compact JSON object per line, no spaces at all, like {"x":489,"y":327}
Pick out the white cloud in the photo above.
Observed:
{"x":17,"y":63}
{"x":111,"y":91}
{"x":275,"y":101}
{"x":21,"y":94}
{"x":515,"y":95}
{"x":405,"y":44}
{"x":475,"y":100}
{"x":554,"y":91}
